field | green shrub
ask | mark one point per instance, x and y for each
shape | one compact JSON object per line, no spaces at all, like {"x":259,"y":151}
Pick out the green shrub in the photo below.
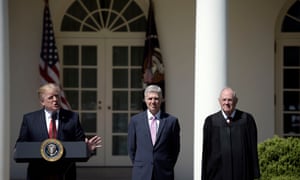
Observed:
{"x":285,"y":178}
{"x":279,"y":158}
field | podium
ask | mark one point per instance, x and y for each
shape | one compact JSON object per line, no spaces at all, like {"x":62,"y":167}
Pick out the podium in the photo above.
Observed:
{"x":40,"y":159}
{"x":31,"y":151}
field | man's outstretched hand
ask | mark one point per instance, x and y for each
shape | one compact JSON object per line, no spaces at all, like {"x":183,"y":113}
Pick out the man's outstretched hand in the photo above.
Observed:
{"x":94,"y":142}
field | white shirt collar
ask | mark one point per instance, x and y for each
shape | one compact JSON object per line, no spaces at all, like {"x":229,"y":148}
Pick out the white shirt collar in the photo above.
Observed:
{"x":231,"y":115}
{"x":49,"y":113}
{"x":149,"y":115}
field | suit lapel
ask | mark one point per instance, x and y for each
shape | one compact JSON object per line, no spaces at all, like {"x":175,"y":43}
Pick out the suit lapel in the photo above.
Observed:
{"x":61,"y":123}
{"x":147,"y":127}
{"x":162,"y":122}
{"x":44,"y":130}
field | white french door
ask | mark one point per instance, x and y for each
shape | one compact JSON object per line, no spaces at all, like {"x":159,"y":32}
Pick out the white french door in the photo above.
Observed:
{"x":102,"y":82}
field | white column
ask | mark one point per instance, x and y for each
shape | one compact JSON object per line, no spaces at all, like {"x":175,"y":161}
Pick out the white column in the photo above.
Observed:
{"x":210,"y":67}
{"x":4,"y":92}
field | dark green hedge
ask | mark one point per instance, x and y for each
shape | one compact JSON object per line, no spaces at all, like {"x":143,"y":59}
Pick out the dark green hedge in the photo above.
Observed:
{"x":279,"y":158}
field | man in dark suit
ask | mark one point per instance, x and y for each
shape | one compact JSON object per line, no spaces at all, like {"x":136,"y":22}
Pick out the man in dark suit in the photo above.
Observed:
{"x":36,"y":126}
{"x":153,"y":140}
{"x":230,"y":142}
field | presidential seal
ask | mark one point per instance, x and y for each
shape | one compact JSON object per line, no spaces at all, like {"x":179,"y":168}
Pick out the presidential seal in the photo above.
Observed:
{"x":52,"y":150}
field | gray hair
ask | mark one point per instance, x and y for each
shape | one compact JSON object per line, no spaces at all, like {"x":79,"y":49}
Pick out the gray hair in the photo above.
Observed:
{"x":235,"y":98}
{"x":154,"y":89}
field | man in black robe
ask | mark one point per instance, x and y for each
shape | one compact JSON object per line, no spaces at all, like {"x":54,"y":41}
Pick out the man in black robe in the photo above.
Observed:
{"x":230,"y":142}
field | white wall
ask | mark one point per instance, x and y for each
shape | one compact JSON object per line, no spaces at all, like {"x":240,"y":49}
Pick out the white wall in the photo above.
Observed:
{"x":251,"y":28}
{"x":25,"y":19}
{"x":250,"y":63}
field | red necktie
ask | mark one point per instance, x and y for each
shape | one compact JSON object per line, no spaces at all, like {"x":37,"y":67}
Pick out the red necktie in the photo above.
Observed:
{"x":52,"y":126}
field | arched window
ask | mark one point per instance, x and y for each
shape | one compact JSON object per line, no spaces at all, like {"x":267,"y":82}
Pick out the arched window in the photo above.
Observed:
{"x":288,"y":71}
{"x":96,"y":15}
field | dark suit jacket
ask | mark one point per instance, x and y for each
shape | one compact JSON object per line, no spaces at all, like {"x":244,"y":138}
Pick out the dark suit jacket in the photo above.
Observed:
{"x":34,"y":128}
{"x":158,"y":160}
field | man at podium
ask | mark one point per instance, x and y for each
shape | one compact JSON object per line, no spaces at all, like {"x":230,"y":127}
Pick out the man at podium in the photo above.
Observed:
{"x":52,"y":121}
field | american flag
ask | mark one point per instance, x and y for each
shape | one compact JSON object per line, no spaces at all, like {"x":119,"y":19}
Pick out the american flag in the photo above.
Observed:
{"x":49,"y":64}
{"x":153,"y":67}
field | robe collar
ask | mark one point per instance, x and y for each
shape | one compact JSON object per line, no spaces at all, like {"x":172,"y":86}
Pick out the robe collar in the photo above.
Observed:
{"x":231,"y":115}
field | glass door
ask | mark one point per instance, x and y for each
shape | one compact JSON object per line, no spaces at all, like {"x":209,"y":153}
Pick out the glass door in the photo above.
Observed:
{"x":102,"y":82}
{"x":82,"y":66}
{"x":124,"y":93}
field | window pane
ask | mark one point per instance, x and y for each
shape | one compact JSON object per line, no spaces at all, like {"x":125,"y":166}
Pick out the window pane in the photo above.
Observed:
{"x":90,"y":5}
{"x":136,"y":78}
{"x":295,"y":9}
{"x":104,"y":15}
{"x":70,"y":24}
{"x":291,"y":123}
{"x":119,"y":5}
{"x":89,"y":78}
{"x":291,"y":78}
{"x":120,"y":100}
{"x":122,"y":29}
{"x":120,"y":56}
{"x":77,"y":11}
{"x":104,"y":4}
{"x":119,"y":145}
{"x":291,"y":101}
{"x":137,"y":56}
{"x":90,"y":25}
{"x":72,"y":97}
{"x":291,"y":20}
{"x":136,"y":100}
{"x":291,"y":56}
{"x":70,"y":56}
{"x":89,"y":100}
{"x":119,"y":24}
{"x":290,"y":25}
{"x":120,"y":78}
{"x":132,"y":11}
{"x":138,"y":25}
{"x":120,"y":122}
{"x":89,"y":55}
{"x":89,"y":122}
{"x":71,"y":77}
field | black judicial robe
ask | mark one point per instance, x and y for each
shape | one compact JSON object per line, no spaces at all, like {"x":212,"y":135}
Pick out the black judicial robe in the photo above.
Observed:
{"x":230,"y":150}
